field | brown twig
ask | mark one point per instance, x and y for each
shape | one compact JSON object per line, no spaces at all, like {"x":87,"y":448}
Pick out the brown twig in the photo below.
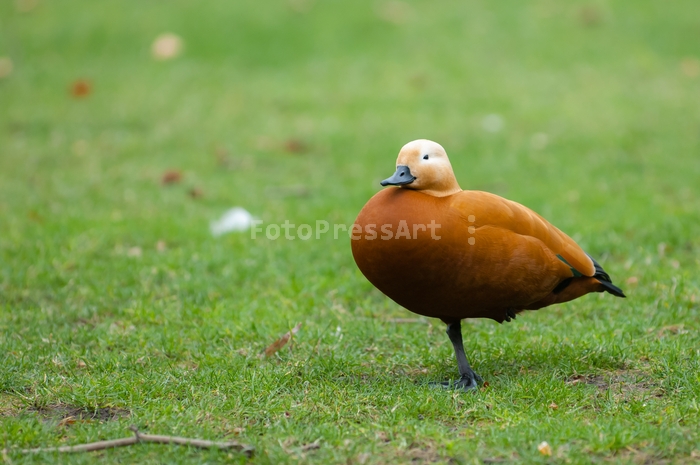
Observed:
{"x":139,"y":437}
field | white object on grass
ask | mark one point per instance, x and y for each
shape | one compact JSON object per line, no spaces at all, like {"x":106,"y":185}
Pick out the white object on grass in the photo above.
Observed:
{"x":235,"y":219}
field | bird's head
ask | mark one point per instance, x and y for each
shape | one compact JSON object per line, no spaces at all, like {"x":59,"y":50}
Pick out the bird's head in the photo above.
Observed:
{"x":423,"y":165}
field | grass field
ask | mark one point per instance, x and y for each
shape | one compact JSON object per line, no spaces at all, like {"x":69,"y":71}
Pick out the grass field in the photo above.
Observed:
{"x":118,"y":307}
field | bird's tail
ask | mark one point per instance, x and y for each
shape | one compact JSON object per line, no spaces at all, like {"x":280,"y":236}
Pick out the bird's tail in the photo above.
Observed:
{"x":604,"y":279}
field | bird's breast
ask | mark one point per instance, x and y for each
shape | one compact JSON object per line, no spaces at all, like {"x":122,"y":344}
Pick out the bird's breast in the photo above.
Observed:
{"x":430,"y":258}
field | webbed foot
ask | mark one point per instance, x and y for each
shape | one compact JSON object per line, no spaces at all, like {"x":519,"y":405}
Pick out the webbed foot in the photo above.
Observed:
{"x":468,"y":382}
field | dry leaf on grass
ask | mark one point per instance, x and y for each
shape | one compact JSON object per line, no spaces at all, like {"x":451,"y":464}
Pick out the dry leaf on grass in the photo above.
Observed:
{"x":690,"y":67}
{"x":25,"y":6}
{"x":296,"y":146}
{"x":80,"y":88}
{"x":281,"y":342}
{"x":590,"y":16}
{"x":166,"y":46}
{"x":5,"y":67}
{"x":67,"y":421}
{"x":545,"y":448}
{"x":171,"y":177}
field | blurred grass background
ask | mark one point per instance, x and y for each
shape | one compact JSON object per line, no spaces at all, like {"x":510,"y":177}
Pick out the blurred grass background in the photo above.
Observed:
{"x":114,"y":294}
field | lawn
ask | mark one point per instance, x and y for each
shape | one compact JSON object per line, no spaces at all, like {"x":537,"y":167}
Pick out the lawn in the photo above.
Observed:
{"x":119,"y":307}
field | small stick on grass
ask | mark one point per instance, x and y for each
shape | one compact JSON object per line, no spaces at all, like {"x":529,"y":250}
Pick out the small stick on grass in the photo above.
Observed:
{"x":139,"y":437}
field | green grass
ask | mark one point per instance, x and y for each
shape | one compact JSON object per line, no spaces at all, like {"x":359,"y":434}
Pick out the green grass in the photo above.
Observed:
{"x":168,"y":340}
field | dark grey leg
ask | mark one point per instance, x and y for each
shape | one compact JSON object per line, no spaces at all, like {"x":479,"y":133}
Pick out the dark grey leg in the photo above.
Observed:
{"x":468,"y":378}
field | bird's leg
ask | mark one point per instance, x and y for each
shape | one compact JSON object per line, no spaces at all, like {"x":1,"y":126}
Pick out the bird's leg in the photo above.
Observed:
{"x":468,"y":378}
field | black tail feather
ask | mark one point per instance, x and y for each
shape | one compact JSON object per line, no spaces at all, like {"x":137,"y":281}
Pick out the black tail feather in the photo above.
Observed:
{"x":604,"y":278}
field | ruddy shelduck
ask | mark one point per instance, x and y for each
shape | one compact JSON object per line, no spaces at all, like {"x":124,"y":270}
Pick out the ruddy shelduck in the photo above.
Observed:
{"x":451,"y":254}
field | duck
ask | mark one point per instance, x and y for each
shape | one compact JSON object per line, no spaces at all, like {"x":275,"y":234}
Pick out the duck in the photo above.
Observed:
{"x":452,"y":254}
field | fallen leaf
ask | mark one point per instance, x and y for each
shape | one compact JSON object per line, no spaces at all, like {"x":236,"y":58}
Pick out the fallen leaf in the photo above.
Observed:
{"x":195,"y":193}
{"x":67,"y":421}
{"x":590,"y":16}
{"x":395,"y":12}
{"x":222,"y":156}
{"x":166,"y":46}
{"x":553,"y":406}
{"x":34,"y":216}
{"x":690,"y":67}
{"x":545,"y":448}
{"x":81,"y":364}
{"x":171,"y":177}
{"x":296,"y":146}
{"x":81,"y":88}
{"x":5,"y":67}
{"x":281,"y":342}
{"x":25,"y":6}
{"x":632,"y":280}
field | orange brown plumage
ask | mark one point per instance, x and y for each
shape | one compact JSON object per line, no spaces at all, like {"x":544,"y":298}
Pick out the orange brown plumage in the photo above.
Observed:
{"x":443,"y":252}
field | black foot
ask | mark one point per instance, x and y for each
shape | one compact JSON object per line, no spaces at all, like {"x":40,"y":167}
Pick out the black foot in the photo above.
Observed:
{"x":510,"y":314}
{"x":466,"y":383}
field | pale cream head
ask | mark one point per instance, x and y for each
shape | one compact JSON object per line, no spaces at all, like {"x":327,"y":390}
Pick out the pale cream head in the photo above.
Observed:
{"x":428,"y":163}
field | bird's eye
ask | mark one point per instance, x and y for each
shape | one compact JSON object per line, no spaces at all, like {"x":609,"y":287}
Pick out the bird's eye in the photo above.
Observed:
{"x":425,"y":157}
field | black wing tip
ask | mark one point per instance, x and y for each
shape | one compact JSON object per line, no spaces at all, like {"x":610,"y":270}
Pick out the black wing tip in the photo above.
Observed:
{"x":611,"y":288}
{"x":604,"y":278}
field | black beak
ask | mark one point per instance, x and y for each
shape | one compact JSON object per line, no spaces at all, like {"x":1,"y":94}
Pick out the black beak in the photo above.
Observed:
{"x":402,"y":176}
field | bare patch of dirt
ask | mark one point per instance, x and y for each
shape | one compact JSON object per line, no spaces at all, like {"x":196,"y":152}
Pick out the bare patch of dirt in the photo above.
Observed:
{"x":625,"y":382}
{"x":69,"y":414}
{"x":637,"y":457}
{"x":9,"y":405}
{"x":426,"y":453}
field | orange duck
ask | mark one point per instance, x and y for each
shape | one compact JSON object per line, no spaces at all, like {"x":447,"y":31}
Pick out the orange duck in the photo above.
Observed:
{"x":447,"y":253}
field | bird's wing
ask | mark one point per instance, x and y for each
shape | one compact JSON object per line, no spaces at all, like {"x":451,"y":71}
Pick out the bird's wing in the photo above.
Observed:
{"x":484,"y":209}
